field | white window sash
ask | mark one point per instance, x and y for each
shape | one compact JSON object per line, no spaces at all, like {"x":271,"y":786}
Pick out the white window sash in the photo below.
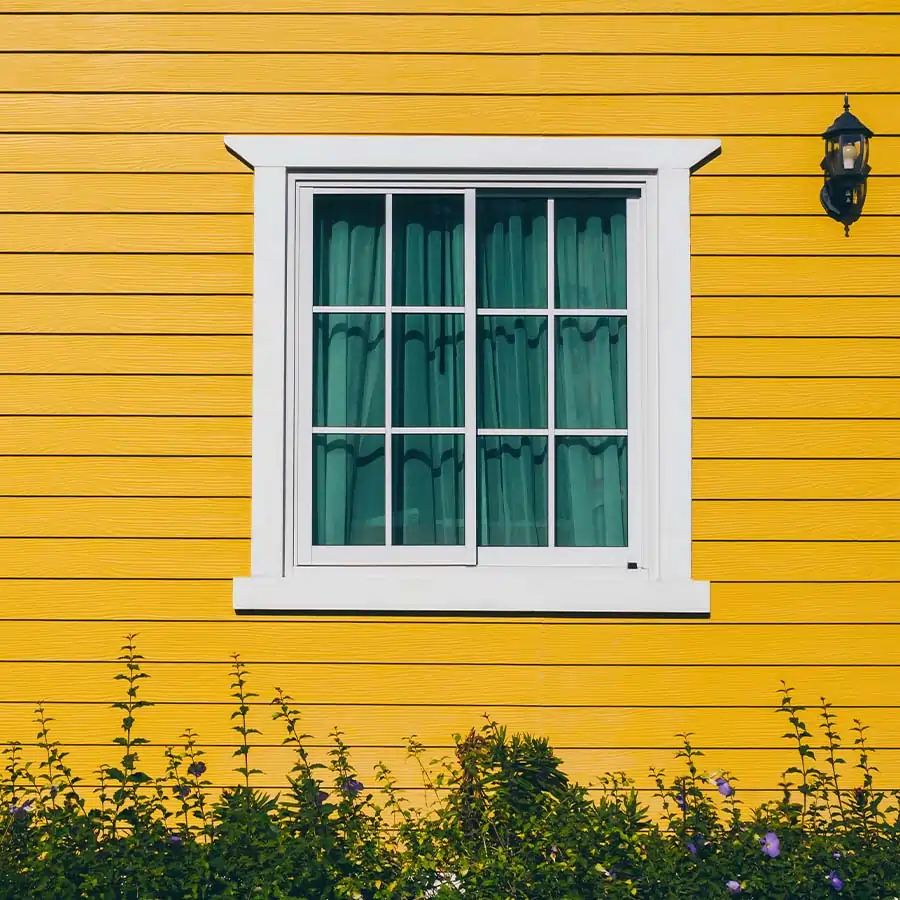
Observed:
{"x":298,"y":515}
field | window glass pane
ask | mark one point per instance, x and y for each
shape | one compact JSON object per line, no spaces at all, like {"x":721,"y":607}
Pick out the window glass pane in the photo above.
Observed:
{"x":348,"y":369}
{"x":429,"y":257}
{"x":590,"y":253}
{"x":348,"y":256}
{"x":591,"y":372}
{"x":429,"y":355}
{"x":429,"y":489}
{"x":512,"y":252}
{"x":512,"y":491}
{"x":512,"y":376}
{"x":591,"y":492}
{"x":348,"y":489}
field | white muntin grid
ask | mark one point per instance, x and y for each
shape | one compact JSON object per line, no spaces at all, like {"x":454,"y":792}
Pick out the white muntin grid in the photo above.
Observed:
{"x":298,"y":514}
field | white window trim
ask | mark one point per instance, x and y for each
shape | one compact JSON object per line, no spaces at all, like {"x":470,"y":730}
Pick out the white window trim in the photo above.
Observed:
{"x":662,"y":169}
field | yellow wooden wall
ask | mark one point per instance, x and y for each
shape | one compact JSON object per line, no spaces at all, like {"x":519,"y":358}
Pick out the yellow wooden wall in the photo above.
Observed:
{"x":125,"y":272}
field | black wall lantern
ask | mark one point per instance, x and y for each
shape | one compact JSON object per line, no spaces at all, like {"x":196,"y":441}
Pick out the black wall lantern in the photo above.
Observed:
{"x":846,"y":167}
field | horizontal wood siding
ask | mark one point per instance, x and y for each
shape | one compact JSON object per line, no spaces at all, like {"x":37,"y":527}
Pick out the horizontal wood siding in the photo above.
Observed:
{"x":125,"y":370}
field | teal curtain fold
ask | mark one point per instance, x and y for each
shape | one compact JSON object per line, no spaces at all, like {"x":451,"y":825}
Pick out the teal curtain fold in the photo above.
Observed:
{"x":512,"y":491}
{"x":512,"y":252}
{"x":348,"y":489}
{"x":512,"y":382}
{"x":428,"y":377}
{"x":429,"y":250}
{"x":348,"y":254}
{"x":348,"y":369}
{"x":591,"y":492}
{"x":591,"y":263}
{"x":591,"y":372}
{"x":429,"y":489}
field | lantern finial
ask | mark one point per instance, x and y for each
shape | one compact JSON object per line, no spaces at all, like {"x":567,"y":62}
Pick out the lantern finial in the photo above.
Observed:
{"x":846,"y":103}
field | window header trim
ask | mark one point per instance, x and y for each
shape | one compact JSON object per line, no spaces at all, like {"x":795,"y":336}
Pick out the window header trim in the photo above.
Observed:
{"x":510,"y":154}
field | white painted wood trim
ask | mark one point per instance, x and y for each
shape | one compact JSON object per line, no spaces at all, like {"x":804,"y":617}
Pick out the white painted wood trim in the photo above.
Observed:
{"x":674,"y":373}
{"x":463,"y":589}
{"x":270,"y":267}
{"x":335,"y":152}
{"x":664,"y":584}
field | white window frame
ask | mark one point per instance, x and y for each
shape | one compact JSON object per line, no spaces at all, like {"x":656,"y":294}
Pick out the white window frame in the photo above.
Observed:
{"x":286,"y":572}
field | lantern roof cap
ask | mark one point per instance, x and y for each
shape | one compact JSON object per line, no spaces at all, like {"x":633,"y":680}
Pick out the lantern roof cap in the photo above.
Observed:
{"x":846,"y":123}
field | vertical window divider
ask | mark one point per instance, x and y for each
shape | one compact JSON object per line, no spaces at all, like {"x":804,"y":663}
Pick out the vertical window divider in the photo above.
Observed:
{"x":551,"y":372}
{"x":300,"y":318}
{"x":388,"y":367}
{"x":470,"y":376}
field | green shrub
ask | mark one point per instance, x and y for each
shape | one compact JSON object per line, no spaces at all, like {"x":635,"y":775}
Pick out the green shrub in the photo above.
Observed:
{"x":500,"y":820}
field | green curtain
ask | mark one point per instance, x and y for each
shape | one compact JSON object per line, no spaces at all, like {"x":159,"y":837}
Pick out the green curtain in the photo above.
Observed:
{"x":512,"y":491}
{"x":428,"y":470}
{"x":348,"y":489}
{"x":348,"y":370}
{"x":591,"y":492}
{"x":590,"y":372}
{"x":429,"y":250}
{"x":591,"y":270}
{"x":429,"y":489}
{"x":511,"y":252}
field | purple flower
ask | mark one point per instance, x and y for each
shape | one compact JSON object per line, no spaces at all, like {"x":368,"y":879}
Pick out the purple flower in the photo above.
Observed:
{"x":771,"y":845}
{"x":724,"y":788}
{"x":53,"y":791}
{"x":321,"y":797}
{"x":181,"y":790}
{"x":175,"y":840}
{"x":21,"y":811}
{"x":196,"y":769}
{"x":681,"y":801}
{"x":695,"y":844}
{"x":733,"y":887}
{"x":836,"y":854}
{"x":351,"y":786}
{"x":835,"y":881}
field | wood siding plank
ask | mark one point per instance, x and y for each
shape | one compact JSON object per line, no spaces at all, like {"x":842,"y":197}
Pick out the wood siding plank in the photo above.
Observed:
{"x":524,"y":7}
{"x":797,"y":438}
{"x":796,"y":316}
{"x":106,"y":476}
{"x":798,"y":114}
{"x":727,"y":685}
{"x":473,"y":642}
{"x":311,"y":73}
{"x":127,"y":273}
{"x":788,"y":479}
{"x":205,"y":153}
{"x":820,"y":520}
{"x":47,"y":517}
{"x":126,"y":354}
{"x":547,"y":33}
{"x":796,"y":357}
{"x":126,"y":314}
{"x":790,"y":398}
{"x":128,"y":193}
{"x":111,"y":436}
{"x":136,"y":601}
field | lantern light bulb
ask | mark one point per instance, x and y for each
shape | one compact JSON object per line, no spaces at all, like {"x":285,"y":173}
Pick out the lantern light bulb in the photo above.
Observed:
{"x":850,"y":152}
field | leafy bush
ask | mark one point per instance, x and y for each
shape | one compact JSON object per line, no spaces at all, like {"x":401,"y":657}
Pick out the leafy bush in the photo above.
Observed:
{"x":500,"y":820}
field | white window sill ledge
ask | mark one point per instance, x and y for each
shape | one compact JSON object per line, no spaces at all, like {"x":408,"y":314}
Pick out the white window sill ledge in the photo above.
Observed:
{"x":475,"y":589}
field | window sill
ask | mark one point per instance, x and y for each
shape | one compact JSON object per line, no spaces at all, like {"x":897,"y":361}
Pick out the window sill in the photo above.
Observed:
{"x":476,"y":589}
